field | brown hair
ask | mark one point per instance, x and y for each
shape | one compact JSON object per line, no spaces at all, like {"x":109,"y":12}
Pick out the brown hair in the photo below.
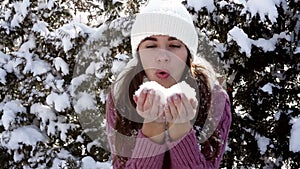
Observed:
{"x":196,"y":76}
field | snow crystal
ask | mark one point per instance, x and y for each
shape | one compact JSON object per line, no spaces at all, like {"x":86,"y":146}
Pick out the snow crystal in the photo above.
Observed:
{"x":117,"y":66}
{"x":61,"y":65}
{"x":18,"y":156}
{"x":67,"y":44}
{"x":41,"y":27}
{"x":199,"y":4}
{"x":80,"y":139}
{"x":34,"y":64}
{"x":164,"y":93}
{"x":3,"y":58}
{"x":120,"y":63}
{"x":60,"y":102}
{"x":88,"y":163}
{"x":245,"y":43}
{"x":63,"y":130}
{"x":49,"y":4}
{"x":102,"y":96}
{"x":295,"y":135}
{"x":85,"y":102}
{"x":10,"y":110}
{"x":30,"y":44}
{"x":98,"y":34}
{"x":43,"y":112}
{"x":241,"y":39}
{"x":222,"y":3}
{"x":40,"y":67}
{"x":91,"y":69}
{"x":81,"y":17}
{"x":91,"y":144}
{"x":21,"y":12}
{"x":263,"y":8}
{"x":75,"y":82}
{"x":122,"y":57}
{"x":277,"y":115}
{"x":115,"y":1}
{"x":268,"y":88}
{"x":59,"y":84}
{"x":28,"y":135}
{"x":71,"y":31}
{"x":2,"y":76}
{"x":266,"y":45}
{"x":59,"y":162}
{"x":262,"y":143}
{"x":104,"y":165}
{"x":297,"y":50}
{"x":270,"y":44}
{"x":239,"y":1}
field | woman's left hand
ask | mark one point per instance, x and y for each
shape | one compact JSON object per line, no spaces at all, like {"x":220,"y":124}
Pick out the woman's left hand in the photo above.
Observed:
{"x":179,"y":111}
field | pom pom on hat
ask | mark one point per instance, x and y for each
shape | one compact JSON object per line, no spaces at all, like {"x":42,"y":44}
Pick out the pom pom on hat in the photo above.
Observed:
{"x":164,"y":17}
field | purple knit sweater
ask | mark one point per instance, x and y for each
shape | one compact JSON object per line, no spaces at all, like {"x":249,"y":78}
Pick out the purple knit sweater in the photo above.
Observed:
{"x":182,"y":154}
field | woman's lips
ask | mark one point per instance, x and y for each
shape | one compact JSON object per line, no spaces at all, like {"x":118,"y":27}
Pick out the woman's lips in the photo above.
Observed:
{"x":162,"y":74}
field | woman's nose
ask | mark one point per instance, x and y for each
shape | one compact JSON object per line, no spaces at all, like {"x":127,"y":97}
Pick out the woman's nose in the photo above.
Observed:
{"x":163,"y":56}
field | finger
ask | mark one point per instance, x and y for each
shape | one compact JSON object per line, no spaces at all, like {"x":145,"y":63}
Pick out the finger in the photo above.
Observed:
{"x":168,"y":114}
{"x":190,"y":111}
{"x":186,"y":103}
{"x":177,"y":100}
{"x":150,"y":98}
{"x":161,"y":115}
{"x":135,"y":98}
{"x":155,"y":106}
{"x":193,"y":103}
{"x":141,"y":100}
{"x":182,"y":107}
{"x":172,"y":107}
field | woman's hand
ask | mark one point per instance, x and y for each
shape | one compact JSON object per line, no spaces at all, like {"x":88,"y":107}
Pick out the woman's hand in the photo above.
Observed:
{"x":150,"y":108}
{"x":179,"y":111}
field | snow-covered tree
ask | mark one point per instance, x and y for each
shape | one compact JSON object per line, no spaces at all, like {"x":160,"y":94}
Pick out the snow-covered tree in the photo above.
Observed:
{"x":58,"y":59}
{"x":258,"y":42}
{"x":56,"y":63}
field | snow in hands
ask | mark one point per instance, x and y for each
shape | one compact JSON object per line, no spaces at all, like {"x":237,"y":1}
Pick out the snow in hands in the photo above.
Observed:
{"x":164,"y":93}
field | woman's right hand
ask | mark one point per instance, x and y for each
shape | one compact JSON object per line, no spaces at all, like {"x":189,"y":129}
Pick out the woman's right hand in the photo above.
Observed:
{"x":149,"y":107}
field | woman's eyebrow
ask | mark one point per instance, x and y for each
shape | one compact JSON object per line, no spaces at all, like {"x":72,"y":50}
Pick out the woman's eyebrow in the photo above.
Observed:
{"x":149,"y":38}
{"x":172,"y":38}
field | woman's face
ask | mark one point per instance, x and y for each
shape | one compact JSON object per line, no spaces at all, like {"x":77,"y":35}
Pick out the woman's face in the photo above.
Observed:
{"x":163,"y":59}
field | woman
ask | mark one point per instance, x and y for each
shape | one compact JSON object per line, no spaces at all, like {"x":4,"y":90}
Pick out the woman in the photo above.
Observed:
{"x":183,"y":133}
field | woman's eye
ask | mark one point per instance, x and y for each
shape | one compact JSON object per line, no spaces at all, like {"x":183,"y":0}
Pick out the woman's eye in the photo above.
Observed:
{"x":175,"y":46}
{"x":150,"y":46}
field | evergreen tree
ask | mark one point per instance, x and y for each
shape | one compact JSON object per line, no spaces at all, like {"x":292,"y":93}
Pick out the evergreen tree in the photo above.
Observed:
{"x":260,"y":55}
{"x":58,"y":59}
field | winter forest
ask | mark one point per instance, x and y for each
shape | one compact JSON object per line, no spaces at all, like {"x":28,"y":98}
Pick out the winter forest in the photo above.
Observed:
{"x":58,"y":59}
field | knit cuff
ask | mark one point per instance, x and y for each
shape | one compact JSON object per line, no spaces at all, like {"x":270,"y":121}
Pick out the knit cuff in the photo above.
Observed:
{"x":144,"y":147}
{"x":185,"y":152}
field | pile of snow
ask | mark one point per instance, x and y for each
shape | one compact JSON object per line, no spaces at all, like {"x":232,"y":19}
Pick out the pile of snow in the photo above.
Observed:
{"x":295,"y":135}
{"x":164,"y":93}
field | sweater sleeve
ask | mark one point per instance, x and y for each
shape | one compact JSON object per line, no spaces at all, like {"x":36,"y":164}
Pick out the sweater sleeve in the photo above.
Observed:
{"x":145,"y":154}
{"x":186,"y":153}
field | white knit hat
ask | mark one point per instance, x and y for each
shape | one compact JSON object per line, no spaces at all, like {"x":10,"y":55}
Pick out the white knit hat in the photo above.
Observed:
{"x":164,"y":17}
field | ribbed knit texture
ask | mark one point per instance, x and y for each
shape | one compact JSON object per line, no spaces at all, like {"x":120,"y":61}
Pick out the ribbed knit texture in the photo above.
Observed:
{"x":184,"y":153}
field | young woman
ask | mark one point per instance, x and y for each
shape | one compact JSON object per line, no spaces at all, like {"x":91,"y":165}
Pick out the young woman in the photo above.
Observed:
{"x":182,"y":133}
